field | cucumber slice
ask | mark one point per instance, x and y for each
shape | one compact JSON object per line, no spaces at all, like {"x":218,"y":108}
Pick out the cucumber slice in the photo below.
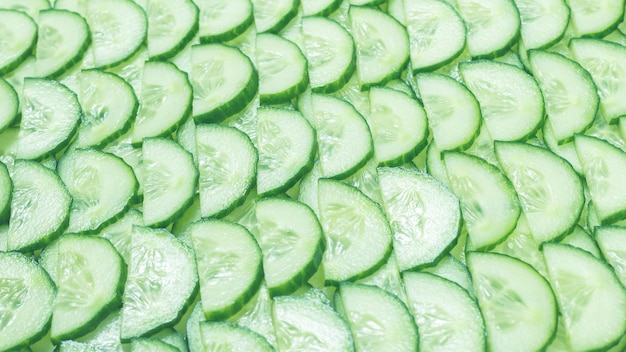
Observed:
{"x":30,"y":7}
{"x":273,"y":16}
{"x":612,"y":243}
{"x":305,"y":324}
{"x":50,"y":116}
{"x":19,"y":36}
{"x":591,"y":300}
{"x":581,"y":239}
{"x":224,"y":336}
{"x":543,"y":22}
{"x":119,"y":233}
{"x":447,"y":317}
{"x":6,"y":190}
{"x":223,"y":20}
{"x":109,"y":107}
{"x":398,"y":125}
{"x":170,"y":181}
{"x":452,"y":269}
{"x":144,"y":344}
{"x":319,"y":7}
{"x":134,"y":158}
{"x":489,"y":204}
{"x":9,"y":104}
{"x":89,"y":275}
{"x":27,"y":300}
{"x":224,"y":81}
{"x":351,"y":254}
{"x":378,"y":320}
{"x":165,"y":101}
{"x":63,"y":40}
{"x":307,"y":192}
{"x":291,"y":240}
{"x":40,"y":206}
{"x":192,"y":327}
{"x":595,"y":19}
{"x":453,"y":112}
{"x":517,"y":303}
{"x":387,"y":278}
{"x":162,"y":281}
{"x":229,"y":263}
{"x":330,"y":54}
{"x":424,"y":215}
{"x":571,"y":99}
{"x":493,"y":26}
{"x":101,"y":186}
{"x":510,"y":99}
{"x":282,"y":69}
{"x":171,"y":26}
{"x":173,"y":338}
{"x":382,"y":46}
{"x":227,"y":162}
{"x":437,"y":33}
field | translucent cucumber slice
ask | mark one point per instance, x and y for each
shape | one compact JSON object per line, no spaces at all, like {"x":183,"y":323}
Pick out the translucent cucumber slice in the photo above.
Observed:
{"x":358,"y":236}
{"x":19,"y":35}
{"x":106,"y":336}
{"x":447,"y":317}
{"x":227,"y":162}
{"x":510,"y":99}
{"x":387,"y":277}
{"x":30,"y":7}
{"x":101,"y":186}
{"x":223,"y":20}
{"x":437,"y":33}
{"x":543,"y":22}
{"x":40,"y":206}
{"x":596,"y":18}
{"x":6,"y":190}
{"x":109,"y":107}
{"x":119,"y":233}
{"x":134,"y":158}
{"x":224,"y":336}
{"x":89,"y":275}
{"x":171,"y":26}
{"x":591,"y":300}
{"x":229,"y":262}
{"x":382,"y":45}
{"x":517,"y":303}
{"x":579,"y":238}
{"x":272,"y":16}
{"x":9,"y":104}
{"x":306,"y":324}
{"x":27,"y":301}
{"x":612,"y":243}
{"x":425,"y":216}
{"x":452,"y":269}
{"x":398,"y":125}
{"x":50,"y":116}
{"x":170,"y":181}
{"x":319,"y":7}
{"x":144,"y":344}
{"x":162,"y":281}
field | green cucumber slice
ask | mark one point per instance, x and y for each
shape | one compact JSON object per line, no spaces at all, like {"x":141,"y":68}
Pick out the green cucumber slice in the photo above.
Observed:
{"x":319,"y":7}
{"x":6,"y":190}
{"x":119,"y":233}
{"x":144,"y":344}
{"x":612,"y":243}
{"x":19,"y":36}
{"x":544,"y":22}
{"x":273,"y":16}
{"x":595,"y":19}
{"x":223,"y":20}
{"x":9,"y":104}
{"x":30,"y":7}
{"x":225,"y":336}
{"x":171,"y":26}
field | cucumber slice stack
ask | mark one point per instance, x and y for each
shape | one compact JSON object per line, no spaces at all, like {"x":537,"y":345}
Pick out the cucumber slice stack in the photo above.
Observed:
{"x":314,"y":175}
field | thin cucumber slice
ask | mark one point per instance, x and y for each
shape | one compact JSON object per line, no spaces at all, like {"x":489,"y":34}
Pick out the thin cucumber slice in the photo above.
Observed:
{"x":273,"y":16}
{"x":543,"y":22}
{"x":398,"y":125}
{"x":174,"y":338}
{"x":287,"y":147}
{"x":566,"y":150}
{"x":382,"y":45}
{"x":510,"y":100}
{"x":437,"y":33}
{"x":19,"y":36}
{"x":330,"y":54}
{"x":170,"y":181}
{"x":282,"y":69}
{"x":73,"y":346}
{"x":109,"y":107}
{"x":162,"y":281}
{"x":30,"y":7}
{"x":9,"y":104}
{"x":424,"y":215}
{"x":119,"y":233}
{"x":165,"y":101}
{"x":307,"y":191}
{"x":387,"y":278}
{"x":453,"y":112}
{"x":304,"y":324}
{"x":489,"y":204}
{"x":89,"y":275}
{"x":591,"y":300}
{"x":106,"y":336}
{"x":493,"y":26}
{"x":27,"y":300}
{"x":134,"y":158}
{"x":452,"y":269}
{"x":319,"y":7}
{"x":343,"y":136}
{"x":62,"y":42}
{"x":224,"y":81}
{"x":447,"y":317}
{"x":291,"y":240}
{"x":581,"y":239}
{"x":144,"y":344}
{"x":549,"y":190}
{"x":517,"y":303}
{"x":595,"y":19}
{"x":227,"y":162}
{"x":192,"y":327}
{"x":229,"y":262}
{"x":606,"y":62}
{"x":225,"y":336}
{"x":612,"y":243}
{"x":378,"y":320}
{"x":171,"y":26}
{"x":571,"y":99}
{"x":40,"y":206}
{"x":50,"y":116}
{"x":257,"y":315}
{"x":603,"y":165}
{"x":101,"y":186}
{"x":6,"y":190}
{"x":351,"y":254}
{"x":223,"y":20}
